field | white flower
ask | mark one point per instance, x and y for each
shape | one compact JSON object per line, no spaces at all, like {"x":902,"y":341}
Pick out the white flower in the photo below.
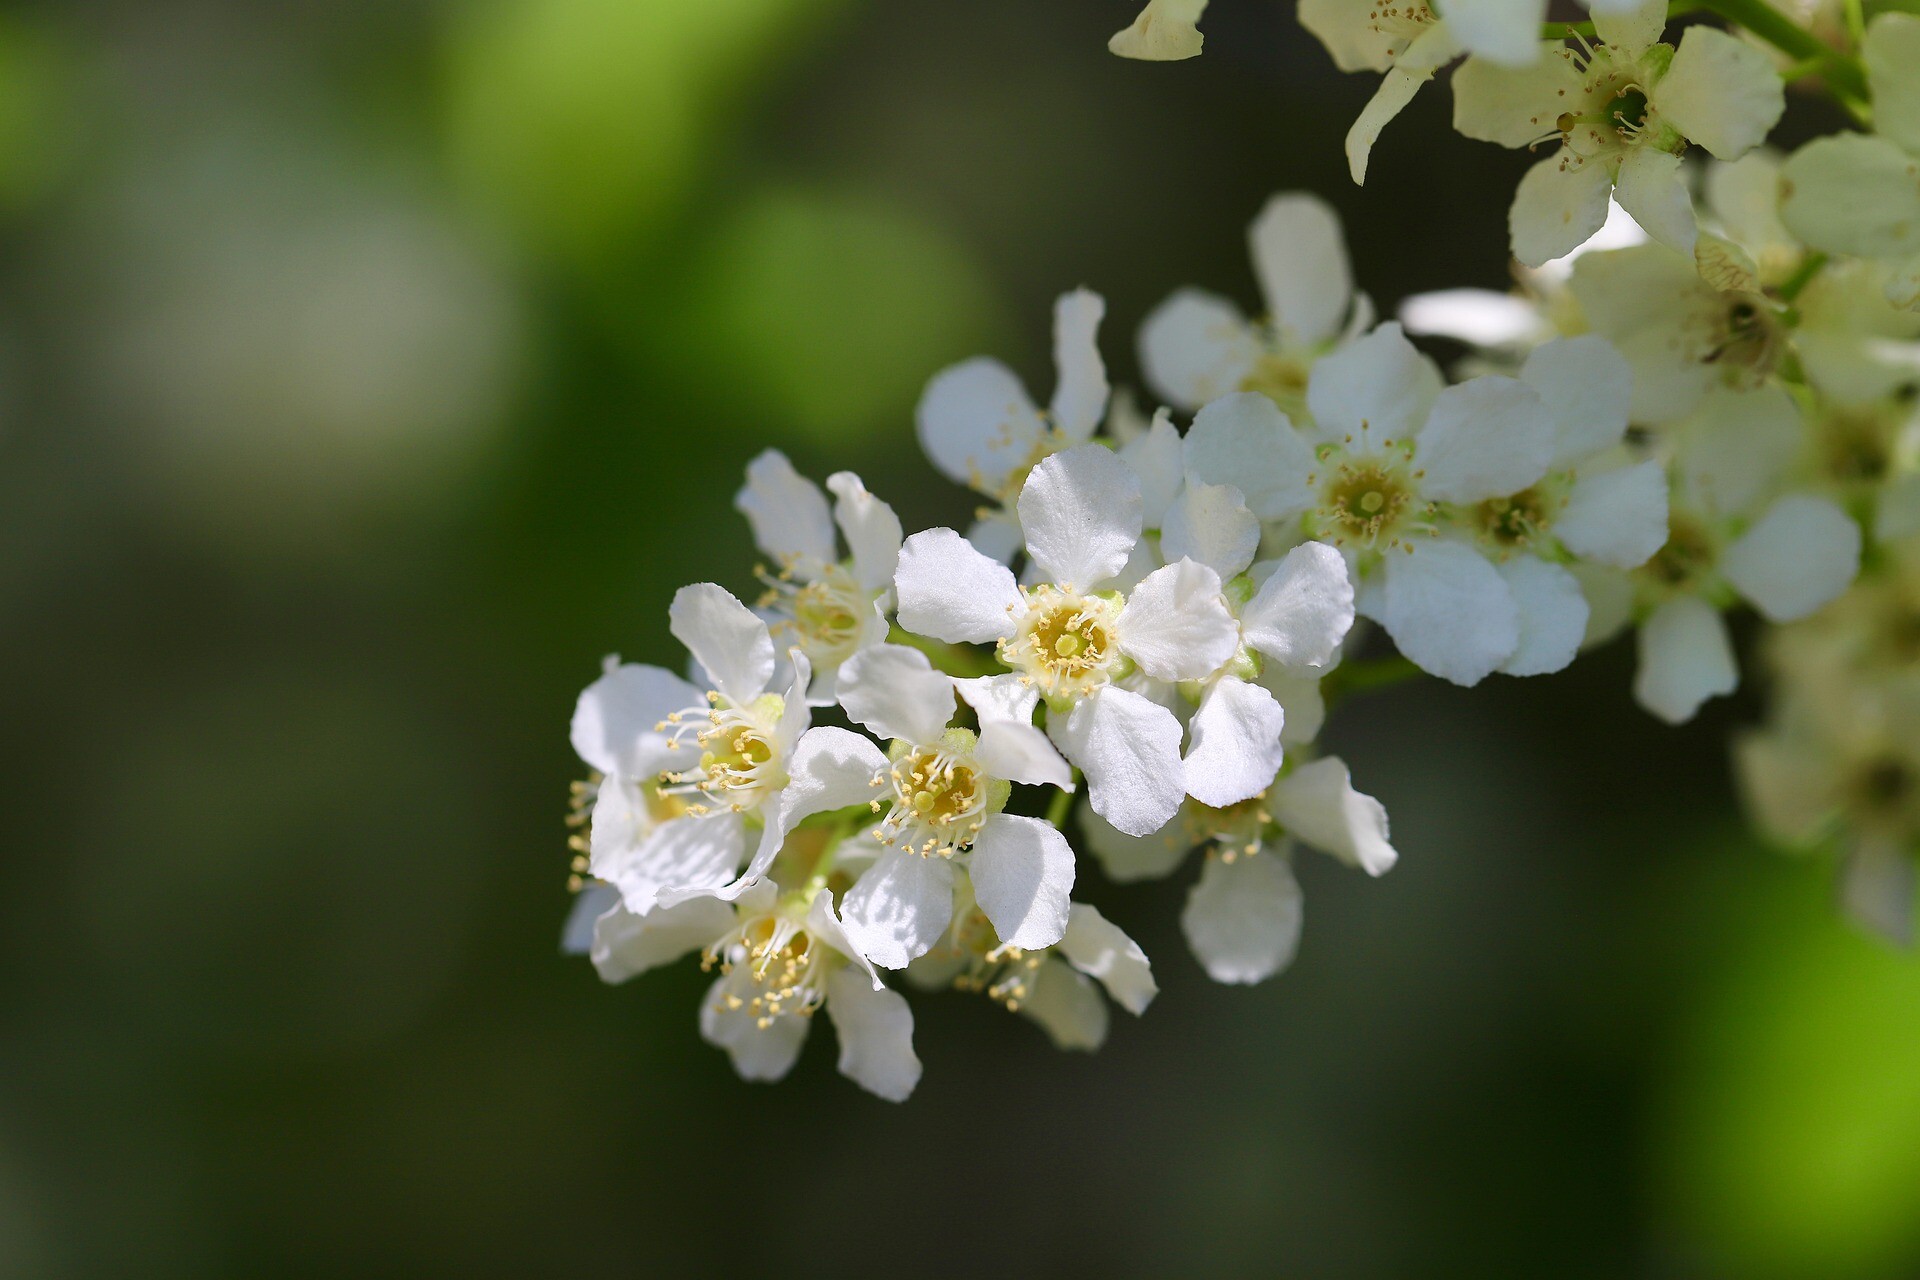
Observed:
{"x":1397,"y":457}
{"x":828,"y":608}
{"x":781,"y":959}
{"x":1164,"y":31}
{"x":1242,"y":917}
{"x":1055,"y":987}
{"x":1623,"y":110}
{"x":980,"y":428}
{"x":945,"y":788}
{"x":1860,"y":194}
{"x":1198,"y":346}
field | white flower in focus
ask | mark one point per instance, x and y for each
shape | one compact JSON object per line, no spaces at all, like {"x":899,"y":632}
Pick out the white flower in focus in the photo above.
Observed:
{"x":828,"y":608}
{"x":944,"y":789}
{"x":1242,"y":917}
{"x":1623,"y":111}
{"x":1057,"y":987}
{"x":980,"y":428}
{"x":1164,"y":31}
{"x":780,"y":960}
{"x":1198,"y":346}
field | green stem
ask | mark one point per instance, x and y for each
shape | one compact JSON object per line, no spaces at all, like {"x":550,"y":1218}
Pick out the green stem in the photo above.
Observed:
{"x":1843,"y":74}
{"x":1802,"y":276}
{"x":1357,"y":677}
{"x":948,"y":659}
{"x":1062,"y":804}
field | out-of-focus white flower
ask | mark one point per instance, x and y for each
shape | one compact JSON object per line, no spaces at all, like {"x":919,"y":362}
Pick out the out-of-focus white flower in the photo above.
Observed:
{"x":945,"y":789}
{"x":1623,"y":110}
{"x":827,"y":607}
{"x":1197,"y":346}
{"x":1164,"y":31}
{"x":1242,"y":918}
{"x":780,"y":959}
{"x":980,"y":428}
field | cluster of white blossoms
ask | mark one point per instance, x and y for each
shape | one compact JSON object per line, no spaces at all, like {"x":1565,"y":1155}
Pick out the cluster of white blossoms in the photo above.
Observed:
{"x":1701,"y":397}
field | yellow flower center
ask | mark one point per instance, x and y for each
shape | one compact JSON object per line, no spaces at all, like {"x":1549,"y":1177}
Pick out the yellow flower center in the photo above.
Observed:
{"x":1064,"y":643}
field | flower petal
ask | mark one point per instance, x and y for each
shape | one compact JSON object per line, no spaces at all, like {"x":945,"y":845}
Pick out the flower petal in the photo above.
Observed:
{"x":592,"y":902}
{"x":729,"y":642}
{"x":1891,"y":51}
{"x":1587,"y":386}
{"x":1851,"y":193}
{"x":1100,"y":949}
{"x":1245,"y":441}
{"x":1018,"y":752}
{"x":1316,"y":802}
{"x":1155,"y":456}
{"x":876,"y":1036}
{"x":1505,"y":31}
{"x":1685,"y":658}
{"x":1651,"y":188}
{"x":899,"y":907}
{"x":977,"y":423}
{"x":1300,"y":257}
{"x":1513,"y":106}
{"x":1002,"y":697}
{"x":1176,"y":625}
{"x":1242,"y":918}
{"x":1022,"y":871}
{"x":1617,"y":517}
{"x":1164,"y":31}
{"x":1210,"y":525}
{"x":1553,"y":616}
{"x":788,"y":514}
{"x":871,"y":529}
{"x":1449,"y":611}
{"x":1738,"y":445}
{"x":949,"y":591}
{"x":1721,"y":91}
{"x":688,"y":856}
{"x":1129,"y":748}
{"x":1477,"y":317}
{"x":1557,"y":206}
{"x":1066,"y":1004}
{"x":616,"y":722}
{"x":760,"y":1054}
{"x":1081,"y":510}
{"x":1304,"y":609}
{"x":1430,"y":50}
{"x":1235,"y":748}
{"x":626,"y":945}
{"x":1798,"y":556}
{"x":1127,"y":858}
{"x":830,"y":768}
{"x":894,"y":692}
{"x":1486,"y":438}
{"x":1080,"y":398}
{"x":1378,"y":388}
{"x":1195,"y":347}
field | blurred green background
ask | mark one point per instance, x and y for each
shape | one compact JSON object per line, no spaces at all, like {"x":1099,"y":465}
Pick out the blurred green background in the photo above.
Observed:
{"x":370,"y":368}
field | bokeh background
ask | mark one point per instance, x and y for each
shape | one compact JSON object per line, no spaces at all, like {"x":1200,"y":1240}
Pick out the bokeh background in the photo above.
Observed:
{"x":370,"y":368}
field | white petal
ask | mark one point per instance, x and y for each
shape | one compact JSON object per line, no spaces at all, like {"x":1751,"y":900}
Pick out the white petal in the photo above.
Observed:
{"x":1506,"y":31}
{"x":895,"y":692}
{"x":1155,"y":456}
{"x":1022,"y":877}
{"x":1100,"y":949}
{"x":1851,"y":193}
{"x":758,"y":1053}
{"x":949,"y":591}
{"x":1556,"y":208}
{"x":977,"y":423}
{"x":615,"y":723}
{"x":1300,"y":697}
{"x":1195,"y":347}
{"x":1378,"y":388}
{"x":1067,"y":1005}
{"x":1416,"y":64}
{"x":1617,"y":517}
{"x":1176,"y":625}
{"x":1018,"y":752}
{"x":871,"y":528}
{"x":1721,"y":91}
{"x":725,"y":638}
{"x":1891,"y":51}
{"x":1127,"y":858}
{"x":899,"y":907}
{"x":592,"y":902}
{"x":1080,"y":398}
{"x":1587,"y":386}
{"x":689,"y":855}
{"x":1651,"y":188}
{"x":1235,"y":747}
{"x":1486,"y":438}
{"x":1798,"y":556}
{"x":1245,"y":441}
{"x":1164,"y":31}
{"x":830,"y":769}
{"x":788,"y":514}
{"x":1002,"y":697}
{"x":1553,"y":616}
{"x":1513,"y":106}
{"x":1449,"y":611}
{"x":1242,"y":918}
{"x":1303,"y":610}
{"x":1081,"y":510}
{"x":626,"y":945}
{"x":1477,"y":317}
{"x":1739,"y":444}
{"x":1317,"y":803}
{"x":1685,"y":659}
{"x":876,"y":1036}
{"x":1210,"y":525}
{"x":1129,"y":748}
{"x":996,"y":535}
{"x":1609,"y":594}
{"x":1300,"y":257}
{"x":1631,"y":26}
